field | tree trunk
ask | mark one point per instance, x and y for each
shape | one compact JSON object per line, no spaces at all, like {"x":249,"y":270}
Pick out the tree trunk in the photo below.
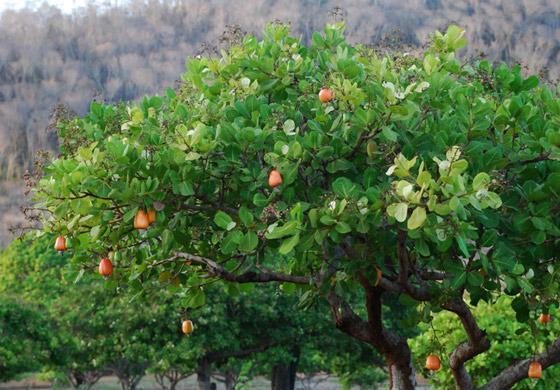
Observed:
{"x":135,"y":381}
{"x":160,"y":380}
{"x":230,"y":381}
{"x":280,"y":377}
{"x":401,"y":375}
{"x":284,"y":375}
{"x":125,"y":385}
{"x":129,"y":382}
{"x":75,"y":379}
{"x":203,"y":374}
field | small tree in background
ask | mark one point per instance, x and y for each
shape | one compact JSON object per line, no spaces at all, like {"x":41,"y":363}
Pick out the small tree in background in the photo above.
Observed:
{"x":422,"y":178}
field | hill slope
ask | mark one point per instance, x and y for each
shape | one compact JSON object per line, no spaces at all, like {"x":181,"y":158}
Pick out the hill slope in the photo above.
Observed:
{"x":47,"y":57}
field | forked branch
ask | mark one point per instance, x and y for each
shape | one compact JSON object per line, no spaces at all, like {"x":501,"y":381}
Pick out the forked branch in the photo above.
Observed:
{"x":477,"y":343}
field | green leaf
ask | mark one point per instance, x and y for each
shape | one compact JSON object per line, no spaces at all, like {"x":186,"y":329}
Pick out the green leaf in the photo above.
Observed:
{"x":245,"y":216}
{"x":455,"y":38}
{"x":287,"y":229}
{"x":166,"y":240}
{"x":480,"y":181}
{"x":289,"y":127}
{"x":389,"y":134}
{"x":289,"y":244}
{"x":417,"y":218}
{"x":459,"y":281}
{"x":424,"y":178}
{"x":530,"y":83}
{"x":249,"y":242}
{"x":183,"y":188}
{"x":401,"y":210}
{"x":80,"y":275}
{"x":94,"y":232}
{"x":475,"y":279}
{"x":260,"y":200}
{"x":525,"y":285}
{"x":198,"y":299}
{"x":344,"y":187}
{"x":231,"y":241}
{"x":462,"y":245}
{"x":129,"y":215}
{"x":224,"y":221}
{"x":521,"y":309}
{"x":538,"y":237}
{"x":327,"y":220}
{"x":422,"y":247}
{"x":493,"y":200}
{"x":343,"y":227}
{"x":313,"y":213}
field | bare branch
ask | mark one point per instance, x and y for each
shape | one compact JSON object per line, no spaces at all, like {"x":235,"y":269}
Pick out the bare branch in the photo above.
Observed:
{"x":216,"y":270}
{"x":541,"y":157}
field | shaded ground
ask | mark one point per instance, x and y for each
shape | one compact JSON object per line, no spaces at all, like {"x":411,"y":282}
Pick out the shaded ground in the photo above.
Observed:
{"x":148,"y":383}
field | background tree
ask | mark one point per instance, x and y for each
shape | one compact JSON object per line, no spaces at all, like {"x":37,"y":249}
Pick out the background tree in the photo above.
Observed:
{"x":441,"y":174}
{"x":239,"y":332}
{"x":26,"y":339}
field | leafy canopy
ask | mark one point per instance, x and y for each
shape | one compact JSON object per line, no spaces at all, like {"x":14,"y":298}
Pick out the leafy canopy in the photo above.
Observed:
{"x":461,"y":160}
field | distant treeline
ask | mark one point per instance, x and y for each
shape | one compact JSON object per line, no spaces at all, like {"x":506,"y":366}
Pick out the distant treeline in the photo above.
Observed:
{"x":121,"y":53}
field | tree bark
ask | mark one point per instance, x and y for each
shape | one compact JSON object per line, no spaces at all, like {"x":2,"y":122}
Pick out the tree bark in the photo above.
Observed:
{"x":401,"y":376}
{"x":203,"y":374}
{"x":125,"y":385}
{"x":283,"y":377}
{"x":477,"y":343}
{"x":230,"y":381}
{"x":394,"y":348}
{"x":84,"y":381}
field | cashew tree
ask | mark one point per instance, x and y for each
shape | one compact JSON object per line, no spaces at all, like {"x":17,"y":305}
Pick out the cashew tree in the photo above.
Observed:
{"x":336,"y":170}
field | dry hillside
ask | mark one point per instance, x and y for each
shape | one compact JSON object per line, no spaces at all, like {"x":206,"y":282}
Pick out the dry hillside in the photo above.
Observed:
{"x":47,"y":57}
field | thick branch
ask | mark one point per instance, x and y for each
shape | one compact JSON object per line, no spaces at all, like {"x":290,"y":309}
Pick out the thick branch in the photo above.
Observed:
{"x":391,"y":345}
{"x":217,"y":270}
{"x":426,"y":274}
{"x":347,"y":320}
{"x":477,"y":343}
{"x":402,"y":254}
{"x":402,"y":285}
{"x":385,"y":341}
{"x":420,"y":293}
{"x":518,"y":371}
